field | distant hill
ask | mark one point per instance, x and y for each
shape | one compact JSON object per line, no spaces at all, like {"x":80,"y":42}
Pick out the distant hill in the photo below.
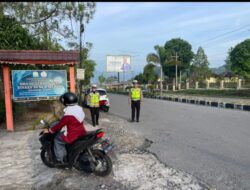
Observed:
{"x":219,"y":70}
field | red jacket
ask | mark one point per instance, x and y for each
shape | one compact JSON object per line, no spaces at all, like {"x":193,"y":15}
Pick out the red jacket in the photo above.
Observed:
{"x":75,"y":128}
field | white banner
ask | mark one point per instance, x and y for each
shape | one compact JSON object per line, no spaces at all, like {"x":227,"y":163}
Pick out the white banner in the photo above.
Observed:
{"x":118,"y":63}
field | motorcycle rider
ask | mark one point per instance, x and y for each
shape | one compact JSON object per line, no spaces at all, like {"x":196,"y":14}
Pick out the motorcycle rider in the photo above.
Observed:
{"x":71,"y":126}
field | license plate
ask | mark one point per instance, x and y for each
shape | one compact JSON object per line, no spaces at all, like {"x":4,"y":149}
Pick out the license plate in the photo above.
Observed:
{"x":108,"y":149}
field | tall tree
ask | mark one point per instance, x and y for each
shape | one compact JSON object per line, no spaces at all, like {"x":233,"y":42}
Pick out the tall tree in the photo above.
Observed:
{"x":228,"y":61}
{"x":159,"y":57}
{"x":184,"y":52}
{"x":149,"y":73}
{"x":49,"y":20}
{"x":89,"y":65}
{"x":140,"y":78}
{"x":89,"y":70}
{"x":14,"y":37}
{"x":200,"y":70}
{"x":240,"y":59}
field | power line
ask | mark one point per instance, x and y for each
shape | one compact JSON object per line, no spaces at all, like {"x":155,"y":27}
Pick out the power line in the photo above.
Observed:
{"x":221,"y":35}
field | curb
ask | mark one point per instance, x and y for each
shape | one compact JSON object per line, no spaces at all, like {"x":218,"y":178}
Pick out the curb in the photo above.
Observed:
{"x":217,"y":104}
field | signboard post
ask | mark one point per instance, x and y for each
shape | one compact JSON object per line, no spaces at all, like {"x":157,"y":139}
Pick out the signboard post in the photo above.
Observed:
{"x":28,"y":84}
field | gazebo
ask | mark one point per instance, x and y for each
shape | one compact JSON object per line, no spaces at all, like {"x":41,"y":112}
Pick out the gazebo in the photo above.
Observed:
{"x":33,"y":57}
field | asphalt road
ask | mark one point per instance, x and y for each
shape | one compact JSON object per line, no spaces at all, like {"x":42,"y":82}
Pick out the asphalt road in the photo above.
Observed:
{"x":213,"y":144}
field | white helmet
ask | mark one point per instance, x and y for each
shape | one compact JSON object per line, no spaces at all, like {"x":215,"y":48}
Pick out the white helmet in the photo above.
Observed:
{"x":135,"y":81}
{"x":94,"y":86}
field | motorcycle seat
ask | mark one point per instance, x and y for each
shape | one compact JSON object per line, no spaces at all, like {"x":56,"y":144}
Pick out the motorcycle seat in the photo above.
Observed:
{"x":88,"y":136}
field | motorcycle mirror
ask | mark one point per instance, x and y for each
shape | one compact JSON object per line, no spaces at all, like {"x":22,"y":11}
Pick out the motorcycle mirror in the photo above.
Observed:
{"x":42,"y":122}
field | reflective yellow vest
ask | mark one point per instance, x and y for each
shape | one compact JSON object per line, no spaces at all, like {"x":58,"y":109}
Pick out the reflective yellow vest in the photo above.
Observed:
{"x":135,"y":94}
{"x":94,"y":99}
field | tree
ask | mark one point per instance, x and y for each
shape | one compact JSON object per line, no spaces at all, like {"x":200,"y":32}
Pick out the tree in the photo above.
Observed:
{"x":111,"y":79}
{"x":102,"y":79}
{"x":200,"y":70}
{"x":14,"y":37}
{"x":140,"y":78}
{"x":159,"y":58}
{"x":149,"y":74}
{"x":48,"y":20}
{"x":240,"y":59}
{"x":89,"y":70}
{"x":228,"y":61}
{"x":184,"y":53}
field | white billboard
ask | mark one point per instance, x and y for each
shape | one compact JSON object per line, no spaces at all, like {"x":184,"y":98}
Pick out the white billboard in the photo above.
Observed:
{"x":118,"y":63}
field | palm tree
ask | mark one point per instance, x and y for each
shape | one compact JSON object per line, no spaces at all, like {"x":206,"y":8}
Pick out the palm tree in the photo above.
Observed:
{"x":158,"y":58}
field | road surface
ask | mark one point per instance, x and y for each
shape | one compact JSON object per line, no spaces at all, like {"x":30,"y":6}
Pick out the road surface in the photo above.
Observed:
{"x":212,"y":144}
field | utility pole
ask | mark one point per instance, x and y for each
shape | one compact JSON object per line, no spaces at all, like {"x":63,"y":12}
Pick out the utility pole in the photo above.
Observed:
{"x":176,"y":76}
{"x":161,"y":82}
{"x":180,"y":78}
{"x":81,"y":58}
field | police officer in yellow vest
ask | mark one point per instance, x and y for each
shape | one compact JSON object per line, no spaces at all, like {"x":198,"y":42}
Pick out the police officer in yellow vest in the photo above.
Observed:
{"x":94,"y":98}
{"x":135,"y":99}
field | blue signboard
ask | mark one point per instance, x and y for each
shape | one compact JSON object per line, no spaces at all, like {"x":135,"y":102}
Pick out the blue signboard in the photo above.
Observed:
{"x":38,"y":83}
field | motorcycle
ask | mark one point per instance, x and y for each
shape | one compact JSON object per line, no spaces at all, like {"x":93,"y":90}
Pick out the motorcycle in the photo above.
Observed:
{"x":104,"y":105}
{"x":96,"y":158}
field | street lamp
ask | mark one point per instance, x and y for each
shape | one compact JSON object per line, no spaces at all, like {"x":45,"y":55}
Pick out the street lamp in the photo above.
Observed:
{"x":158,"y":65}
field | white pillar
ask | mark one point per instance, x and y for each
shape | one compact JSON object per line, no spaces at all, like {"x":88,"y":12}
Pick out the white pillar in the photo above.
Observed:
{"x":196,"y":85}
{"x":173,"y":85}
{"x":187,"y":85}
{"x":208,"y":84}
{"x":166,"y":87}
{"x":222,"y":84}
{"x":239,"y":82}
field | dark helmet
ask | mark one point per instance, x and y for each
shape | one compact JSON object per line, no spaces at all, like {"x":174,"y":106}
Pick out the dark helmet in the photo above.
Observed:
{"x":68,"y":99}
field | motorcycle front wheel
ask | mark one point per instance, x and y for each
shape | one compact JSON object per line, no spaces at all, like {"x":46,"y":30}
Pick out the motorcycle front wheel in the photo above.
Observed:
{"x":46,"y":160}
{"x":103,"y":165}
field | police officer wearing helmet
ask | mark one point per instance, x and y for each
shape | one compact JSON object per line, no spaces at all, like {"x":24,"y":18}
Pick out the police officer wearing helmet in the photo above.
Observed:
{"x":69,"y":128}
{"x":94,"y":98}
{"x":135,"y":98}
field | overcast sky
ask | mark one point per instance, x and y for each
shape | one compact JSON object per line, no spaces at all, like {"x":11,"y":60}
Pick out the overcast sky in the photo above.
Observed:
{"x":135,"y":28}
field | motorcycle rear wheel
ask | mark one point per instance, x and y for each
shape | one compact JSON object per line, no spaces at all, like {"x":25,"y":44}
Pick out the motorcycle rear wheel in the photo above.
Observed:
{"x":45,"y":158}
{"x":102,"y":160}
{"x":105,"y":108}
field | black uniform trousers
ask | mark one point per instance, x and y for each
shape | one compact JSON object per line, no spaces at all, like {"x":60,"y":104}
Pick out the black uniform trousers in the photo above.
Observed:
{"x":94,"y":115}
{"x":135,"y":106}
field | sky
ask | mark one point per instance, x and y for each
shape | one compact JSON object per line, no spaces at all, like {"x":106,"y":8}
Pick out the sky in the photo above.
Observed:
{"x":135,"y":28}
